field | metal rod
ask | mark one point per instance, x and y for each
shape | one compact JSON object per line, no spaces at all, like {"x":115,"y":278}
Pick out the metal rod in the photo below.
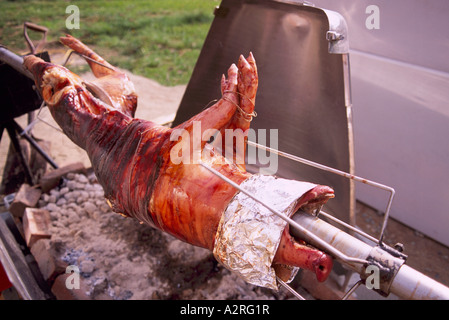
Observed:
{"x":386,"y":216}
{"x":338,"y":172}
{"x":15,"y":61}
{"x":334,"y":237}
{"x":290,"y":289}
{"x":69,"y":55}
{"x":407,"y":283}
{"x":352,"y":252}
{"x":36,"y":146}
{"x":413,"y":285}
{"x":330,"y":249}
{"x":344,"y":224}
{"x":351,"y":291}
{"x":97,"y":62}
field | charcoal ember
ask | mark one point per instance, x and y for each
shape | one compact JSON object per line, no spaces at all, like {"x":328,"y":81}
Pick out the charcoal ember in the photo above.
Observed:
{"x":120,"y":259}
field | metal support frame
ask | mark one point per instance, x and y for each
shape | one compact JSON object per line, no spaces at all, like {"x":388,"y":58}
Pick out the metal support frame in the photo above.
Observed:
{"x":13,"y":128}
{"x":394,"y":276}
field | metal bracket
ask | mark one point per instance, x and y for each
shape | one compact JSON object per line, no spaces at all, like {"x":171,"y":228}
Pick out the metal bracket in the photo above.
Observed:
{"x":387,"y":267}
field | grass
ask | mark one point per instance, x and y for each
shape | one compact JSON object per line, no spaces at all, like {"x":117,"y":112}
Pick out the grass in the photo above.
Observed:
{"x":158,"y":39}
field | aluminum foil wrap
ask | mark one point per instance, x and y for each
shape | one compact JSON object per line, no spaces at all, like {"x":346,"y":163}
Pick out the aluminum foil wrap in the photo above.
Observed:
{"x":249,"y":234}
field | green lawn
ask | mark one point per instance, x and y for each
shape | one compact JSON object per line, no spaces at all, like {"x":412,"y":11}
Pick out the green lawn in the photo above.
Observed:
{"x":158,"y":39}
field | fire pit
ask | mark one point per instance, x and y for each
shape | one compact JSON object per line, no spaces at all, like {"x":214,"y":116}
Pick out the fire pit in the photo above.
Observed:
{"x":118,"y":258}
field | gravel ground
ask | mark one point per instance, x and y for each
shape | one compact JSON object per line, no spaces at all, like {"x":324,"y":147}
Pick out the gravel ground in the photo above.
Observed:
{"x":121,"y":259}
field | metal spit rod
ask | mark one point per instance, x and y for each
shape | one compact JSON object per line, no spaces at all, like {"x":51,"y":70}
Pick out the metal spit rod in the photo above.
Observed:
{"x":400,"y":279}
{"x":14,"y":60}
{"x":407,"y":283}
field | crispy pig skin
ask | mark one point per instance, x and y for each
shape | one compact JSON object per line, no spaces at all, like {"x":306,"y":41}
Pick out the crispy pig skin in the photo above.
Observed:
{"x":131,"y":157}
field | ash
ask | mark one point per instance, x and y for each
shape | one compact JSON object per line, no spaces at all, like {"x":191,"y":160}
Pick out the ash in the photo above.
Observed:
{"x":121,"y":259}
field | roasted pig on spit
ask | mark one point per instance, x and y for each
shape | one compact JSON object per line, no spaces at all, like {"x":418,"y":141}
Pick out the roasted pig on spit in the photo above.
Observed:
{"x":132,"y":158}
